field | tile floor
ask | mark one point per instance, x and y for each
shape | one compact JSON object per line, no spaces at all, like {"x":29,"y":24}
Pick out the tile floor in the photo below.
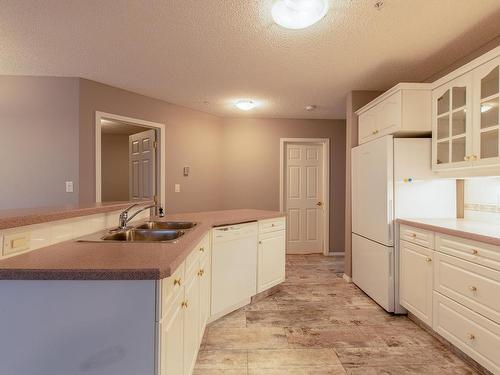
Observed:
{"x":319,"y":324}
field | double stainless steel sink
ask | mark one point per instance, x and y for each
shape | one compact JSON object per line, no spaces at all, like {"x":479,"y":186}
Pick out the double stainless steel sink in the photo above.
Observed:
{"x":149,"y":231}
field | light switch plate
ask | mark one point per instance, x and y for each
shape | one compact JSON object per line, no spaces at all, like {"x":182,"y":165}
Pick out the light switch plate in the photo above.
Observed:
{"x":177,"y":188}
{"x":69,"y":186}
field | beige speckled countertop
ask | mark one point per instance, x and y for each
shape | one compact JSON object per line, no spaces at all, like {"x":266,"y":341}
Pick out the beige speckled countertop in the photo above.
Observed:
{"x":73,"y":260}
{"x":472,"y":230}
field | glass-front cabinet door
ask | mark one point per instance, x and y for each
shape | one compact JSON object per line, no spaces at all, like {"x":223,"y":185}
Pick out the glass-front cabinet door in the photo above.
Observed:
{"x":486,"y":113}
{"x":452,"y":133}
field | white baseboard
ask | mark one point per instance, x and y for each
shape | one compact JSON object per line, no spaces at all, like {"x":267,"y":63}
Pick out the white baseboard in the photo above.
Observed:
{"x":347,"y":278}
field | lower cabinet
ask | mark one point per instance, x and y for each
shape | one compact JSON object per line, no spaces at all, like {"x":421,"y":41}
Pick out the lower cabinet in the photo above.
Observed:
{"x":454,"y":288}
{"x":205,"y":296}
{"x":191,"y":321}
{"x":416,"y":277}
{"x":172,"y":339}
{"x":271,"y":260}
{"x":183,"y":320}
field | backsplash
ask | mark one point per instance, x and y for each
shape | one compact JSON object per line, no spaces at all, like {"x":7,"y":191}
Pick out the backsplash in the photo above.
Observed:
{"x":40,"y":235}
{"x":482,"y":199}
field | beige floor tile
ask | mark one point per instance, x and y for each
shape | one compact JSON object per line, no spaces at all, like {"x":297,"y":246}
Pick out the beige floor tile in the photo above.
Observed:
{"x":222,"y":371}
{"x":236,"y":319}
{"x":246,"y":338}
{"x":222,"y":359}
{"x":393,"y":356}
{"x":327,"y":370}
{"x":292,"y":358}
{"x":411,"y":370}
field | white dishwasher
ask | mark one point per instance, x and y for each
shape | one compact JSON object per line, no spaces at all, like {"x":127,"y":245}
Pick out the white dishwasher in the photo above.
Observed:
{"x":234,"y":267}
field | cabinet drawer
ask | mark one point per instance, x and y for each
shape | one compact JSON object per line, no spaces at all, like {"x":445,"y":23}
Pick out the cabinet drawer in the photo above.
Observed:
{"x":171,"y":287}
{"x":473,"y":251}
{"x":417,"y":236}
{"x":470,"y":332}
{"x":272,"y":225}
{"x":474,"y":286}
{"x":201,"y":249}
{"x":204,"y":246}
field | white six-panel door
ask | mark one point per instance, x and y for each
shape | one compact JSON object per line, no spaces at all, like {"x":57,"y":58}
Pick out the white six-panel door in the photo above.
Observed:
{"x":142,"y":165}
{"x":304,"y":197}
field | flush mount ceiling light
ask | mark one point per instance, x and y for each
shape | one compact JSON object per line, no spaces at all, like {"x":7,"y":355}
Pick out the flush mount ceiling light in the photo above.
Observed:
{"x":245,"y":104}
{"x":298,"y":14}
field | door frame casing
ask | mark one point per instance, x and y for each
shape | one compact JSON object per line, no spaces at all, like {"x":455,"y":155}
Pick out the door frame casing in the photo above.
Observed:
{"x":325,"y":142}
{"x":161,"y":155}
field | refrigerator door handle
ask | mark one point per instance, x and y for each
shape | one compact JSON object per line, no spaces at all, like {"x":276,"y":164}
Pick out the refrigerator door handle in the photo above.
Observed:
{"x":390,"y":221}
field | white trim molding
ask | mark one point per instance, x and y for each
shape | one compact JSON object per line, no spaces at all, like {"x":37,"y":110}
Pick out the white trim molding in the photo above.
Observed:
{"x":326,"y":181}
{"x":133,"y":121}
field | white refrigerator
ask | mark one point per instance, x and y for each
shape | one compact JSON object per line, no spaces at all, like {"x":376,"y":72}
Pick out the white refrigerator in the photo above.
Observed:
{"x":391,"y":178}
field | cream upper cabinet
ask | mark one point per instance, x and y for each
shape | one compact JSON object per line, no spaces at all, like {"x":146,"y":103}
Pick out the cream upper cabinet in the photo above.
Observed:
{"x":465,"y":120}
{"x":451,"y":124}
{"x":403,"y":110}
{"x":486,"y":115}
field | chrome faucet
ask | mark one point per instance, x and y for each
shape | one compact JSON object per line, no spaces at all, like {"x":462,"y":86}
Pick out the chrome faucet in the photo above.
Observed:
{"x":124,"y":218}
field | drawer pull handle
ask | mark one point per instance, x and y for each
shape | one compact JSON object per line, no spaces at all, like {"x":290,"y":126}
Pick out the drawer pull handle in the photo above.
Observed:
{"x":184,"y":304}
{"x":474,"y":252}
{"x":471,"y":336}
{"x":201,"y":272}
{"x":428,"y":260}
{"x":472,"y":288}
{"x":177,"y":281}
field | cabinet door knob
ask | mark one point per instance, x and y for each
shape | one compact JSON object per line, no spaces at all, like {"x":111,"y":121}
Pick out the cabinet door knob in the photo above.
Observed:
{"x":428,"y":260}
{"x":177,"y":281}
{"x":202,"y":249}
{"x":471,"y":336}
{"x":201,"y":272}
{"x":414,"y":235}
{"x":472,"y":288}
{"x":319,"y":204}
{"x":260,"y":242}
{"x":184,"y":304}
{"x":474,"y":252}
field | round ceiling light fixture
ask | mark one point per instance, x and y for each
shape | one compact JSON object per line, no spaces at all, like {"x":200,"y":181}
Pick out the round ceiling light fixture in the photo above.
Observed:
{"x":245,"y":104}
{"x":298,"y":14}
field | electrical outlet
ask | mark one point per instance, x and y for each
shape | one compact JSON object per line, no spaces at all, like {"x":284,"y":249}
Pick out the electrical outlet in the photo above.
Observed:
{"x":69,"y":186}
{"x":177,"y":188}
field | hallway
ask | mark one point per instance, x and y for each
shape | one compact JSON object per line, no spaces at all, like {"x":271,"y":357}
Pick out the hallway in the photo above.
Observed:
{"x":319,"y":324}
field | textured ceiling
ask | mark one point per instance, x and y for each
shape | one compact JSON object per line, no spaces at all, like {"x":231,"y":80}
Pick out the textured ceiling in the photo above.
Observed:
{"x":191,"y":52}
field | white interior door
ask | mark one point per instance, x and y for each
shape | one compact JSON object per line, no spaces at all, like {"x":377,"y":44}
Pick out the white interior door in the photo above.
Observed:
{"x":304,"y":197}
{"x":142,"y":174}
{"x":372,"y":190}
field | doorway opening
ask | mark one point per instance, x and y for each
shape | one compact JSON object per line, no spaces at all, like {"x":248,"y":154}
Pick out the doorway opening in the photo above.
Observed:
{"x":304,"y":193}
{"x":129,"y":159}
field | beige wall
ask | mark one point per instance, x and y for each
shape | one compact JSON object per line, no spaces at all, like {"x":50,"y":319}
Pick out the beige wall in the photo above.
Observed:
{"x":39,"y":141}
{"x":251,"y":164}
{"x":192,"y":139}
{"x":115,"y":167}
{"x":355,"y":100}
